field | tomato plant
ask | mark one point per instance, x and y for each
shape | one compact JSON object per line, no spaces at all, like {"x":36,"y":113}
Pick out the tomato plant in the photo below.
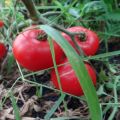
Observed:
{"x":32,"y":51}
{"x":69,"y":81}
{"x":89,"y":44}
{"x":3,"y":50}
{"x":1,"y":23}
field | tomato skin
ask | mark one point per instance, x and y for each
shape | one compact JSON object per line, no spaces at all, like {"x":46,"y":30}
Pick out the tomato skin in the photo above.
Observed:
{"x":91,"y":43}
{"x":68,"y":79}
{"x":1,"y":23}
{"x":3,"y":50}
{"x":35,"y":54}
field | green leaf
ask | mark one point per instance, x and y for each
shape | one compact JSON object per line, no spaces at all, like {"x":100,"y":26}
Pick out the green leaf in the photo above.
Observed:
{"x":92,"y":7}
{"x":102,"y":76}
{"x":55,"y":67}
{"x":10,"y":63}
{"x":108,"y":4}
{"x":68,"y":118}
{"x":114,"y":16}
{"x":100,"y":91}
{"x":15,"y":107}
{"x":80,"y":70}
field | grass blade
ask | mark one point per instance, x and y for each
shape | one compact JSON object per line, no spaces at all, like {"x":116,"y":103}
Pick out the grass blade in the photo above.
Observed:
{"x":104,"y":55}
{"x":80,"y":70}
{"x":15,"y":107}
{"x":68,"y":118}
{"x":53,"y":109}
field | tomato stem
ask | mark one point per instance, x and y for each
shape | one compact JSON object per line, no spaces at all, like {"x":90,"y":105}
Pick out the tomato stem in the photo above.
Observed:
{"x":78,"y":47}
{"x":41,"y":37}
{"x":32,"y":10}
{"x":38,"y":18}
{"x":82,"y":36}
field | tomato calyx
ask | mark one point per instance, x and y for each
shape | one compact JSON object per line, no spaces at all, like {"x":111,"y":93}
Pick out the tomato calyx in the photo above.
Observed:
{"x":88,"y":44}
{"x":42,"y":37}
{"x":81,"y":36}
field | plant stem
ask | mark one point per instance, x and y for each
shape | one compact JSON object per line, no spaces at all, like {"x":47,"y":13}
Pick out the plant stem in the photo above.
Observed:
{"x":77,"y":46}
{"x":115,"y":98}
{"x":38,"y":18}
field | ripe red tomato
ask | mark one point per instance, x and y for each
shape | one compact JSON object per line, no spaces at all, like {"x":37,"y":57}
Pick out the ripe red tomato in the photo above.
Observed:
{"x":1,"y":23}
{"x":34,"y":54}
{"x":68,"y":79}
{"x":3,"y":50}
{"x":91,"y":43}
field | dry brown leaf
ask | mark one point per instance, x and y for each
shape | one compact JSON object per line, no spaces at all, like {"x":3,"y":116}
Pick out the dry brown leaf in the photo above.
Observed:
{"x":2,"y":91}
{"x":26,"y":107}
{"x":4,"y":113}
{"x":11,"y":117}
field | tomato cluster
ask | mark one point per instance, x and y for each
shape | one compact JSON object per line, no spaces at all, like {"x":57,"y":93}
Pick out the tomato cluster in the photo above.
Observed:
{"x":31,"y":49}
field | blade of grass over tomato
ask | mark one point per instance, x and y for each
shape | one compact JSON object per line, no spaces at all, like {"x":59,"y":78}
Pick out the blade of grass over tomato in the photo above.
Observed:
{"x":80,"y":70}
{"x":54,"y":62}
{"x":56,"y":70}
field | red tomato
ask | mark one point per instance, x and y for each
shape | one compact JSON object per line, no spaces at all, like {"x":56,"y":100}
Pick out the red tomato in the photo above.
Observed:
{"x":34,"y":54}
{"x":91,"y":43}
{"x":3,"y":50}
{"x":1,"y":23}
{"x":68,"y":79}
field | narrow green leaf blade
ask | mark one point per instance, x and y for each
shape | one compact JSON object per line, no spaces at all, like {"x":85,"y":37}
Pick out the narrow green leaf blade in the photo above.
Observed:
{"x":103,"y":55}
{"x":15,"y":107}
{"x":80,"y":70}
{"x":68,"y":118}
{"x":53,"y":109}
